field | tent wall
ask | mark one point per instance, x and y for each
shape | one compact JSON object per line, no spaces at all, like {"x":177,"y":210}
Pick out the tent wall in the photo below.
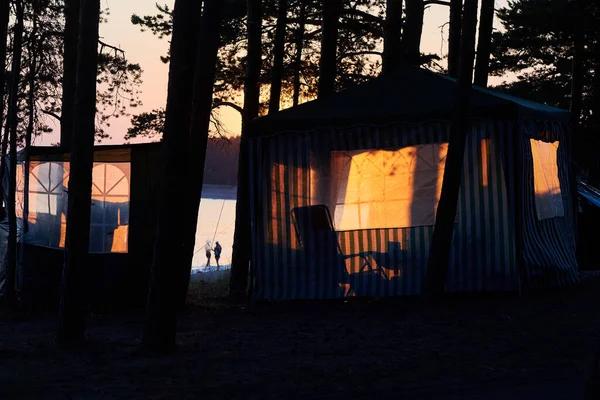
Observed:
{"x":548,"y":245}
{"x":117,"y":280}
{"x":288,"y":172}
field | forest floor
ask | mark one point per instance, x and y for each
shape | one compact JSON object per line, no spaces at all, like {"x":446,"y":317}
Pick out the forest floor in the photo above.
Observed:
{"x":469,"y":346}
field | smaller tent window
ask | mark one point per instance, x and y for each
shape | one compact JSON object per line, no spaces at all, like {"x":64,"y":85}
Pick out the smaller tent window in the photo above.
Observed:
{"x":548,"y":197}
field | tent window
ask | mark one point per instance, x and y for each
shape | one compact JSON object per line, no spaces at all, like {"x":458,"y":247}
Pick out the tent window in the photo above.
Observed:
{"x":548,"y":197}
{"x":387,"y":188}
{"x":48,"y":186}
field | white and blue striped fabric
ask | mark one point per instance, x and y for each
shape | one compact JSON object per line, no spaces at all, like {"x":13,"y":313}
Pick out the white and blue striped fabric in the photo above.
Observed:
{"x":494,"y":248}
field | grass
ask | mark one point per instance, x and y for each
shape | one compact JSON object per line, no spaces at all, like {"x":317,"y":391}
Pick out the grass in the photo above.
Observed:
{"x":205,"y":290}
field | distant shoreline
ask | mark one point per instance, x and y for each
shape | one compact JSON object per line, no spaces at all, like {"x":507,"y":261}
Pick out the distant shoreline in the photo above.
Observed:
{"x":219,"y":192}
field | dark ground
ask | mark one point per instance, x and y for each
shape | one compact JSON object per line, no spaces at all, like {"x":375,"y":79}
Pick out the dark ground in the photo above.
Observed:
{"x":469,"y":347}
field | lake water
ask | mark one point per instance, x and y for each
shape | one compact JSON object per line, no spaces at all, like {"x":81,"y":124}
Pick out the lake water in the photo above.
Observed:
{"x":216,"y":222}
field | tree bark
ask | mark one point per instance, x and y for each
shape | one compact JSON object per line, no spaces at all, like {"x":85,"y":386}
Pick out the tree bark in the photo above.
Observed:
{"x":276,"y":79}
{"x":594,"y":176}
{"x":454,"y":34}
{"x":33,"y":56}
{"x":4,"y":18}
{"x":576,"y":139}
{"x":328,"y":63}
{"x":73,"y":308}
{"x":411,"y":38}
{"x":69,"y":72}
{"x":484,"y":44}
{"x":170,"y":252}
{"x":439,"y":252}
{"x":11,"y":252}
{"x":204,"y":79}
{"x":392,"y":55}
{"x":242,"y":237}
{"x":299,"y":49}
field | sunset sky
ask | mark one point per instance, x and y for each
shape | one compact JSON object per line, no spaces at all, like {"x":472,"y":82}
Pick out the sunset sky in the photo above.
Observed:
{"x":145,"y":49}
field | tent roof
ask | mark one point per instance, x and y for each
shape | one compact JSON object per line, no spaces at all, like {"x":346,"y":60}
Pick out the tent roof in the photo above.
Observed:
{"x":409,"y":94}
{"x":102,"y":153}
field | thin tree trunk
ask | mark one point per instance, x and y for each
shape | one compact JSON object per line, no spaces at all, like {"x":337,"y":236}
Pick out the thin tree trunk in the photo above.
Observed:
{"x":170,"y":252}
{"x":33,"y":54}
{"x":299,"y":49}
{"x":594,"y":176}
{"x":11,"y":252}
{"x":576,"y":105}
{"x":484,"y":44}
{"x":411,"y":38}
{"x":277,"y":77}
{"x":73,"y":308}
{"x":392,"y":55}
{"x":439,"y":252}
{"x":241,"y":241}
{"x":69,"y":72}
{"x":204,"y":79}
{"x":454,"y":33}
{"x":328,"y":63}
{"x":4,"y":17}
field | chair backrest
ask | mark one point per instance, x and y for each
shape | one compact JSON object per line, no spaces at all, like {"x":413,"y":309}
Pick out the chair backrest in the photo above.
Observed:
{"x":310,"y":219}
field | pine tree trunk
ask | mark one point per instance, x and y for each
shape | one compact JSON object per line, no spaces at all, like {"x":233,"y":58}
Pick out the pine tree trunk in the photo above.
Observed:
{"x":204,"y":79}
{"x":411,"y":38}
{"x":299,"y":49}
{"x":170,"y":252}
{"x":33,"y":56}
{"x":69,"y":72}
{"x":454,"y":34}
{"x":328,"y":63}
{"x":4,"y":18}
{"x":439,"y":253}
{"x":73,"y":300}
{"x":242,"y":250}
{"x":594,"y":176}
{"x":392,"y":55}
{"x":276,"y":79}
{"x":576,"y":139}
{"x":11,"y":251}
{"x":484,"y":43}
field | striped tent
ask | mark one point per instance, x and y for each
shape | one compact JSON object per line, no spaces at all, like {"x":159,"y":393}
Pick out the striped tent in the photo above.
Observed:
{"x":374,"y":157}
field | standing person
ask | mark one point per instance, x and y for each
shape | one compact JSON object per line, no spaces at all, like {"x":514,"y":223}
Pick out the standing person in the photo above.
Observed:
{"x":217,"y":251}
{"x":208,"y":253}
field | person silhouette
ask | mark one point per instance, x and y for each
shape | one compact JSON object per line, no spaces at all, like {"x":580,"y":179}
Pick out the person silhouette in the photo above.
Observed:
{"x":217,"y":251}
{"x":208,"y":253}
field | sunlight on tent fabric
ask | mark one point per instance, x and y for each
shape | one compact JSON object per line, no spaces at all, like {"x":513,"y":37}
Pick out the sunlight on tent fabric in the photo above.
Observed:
{"x":284,"y":199}
{"x":548,"y":196}
{"x":485,"y":161}
{"x":388,"y":188}
{"x":48,"y":198}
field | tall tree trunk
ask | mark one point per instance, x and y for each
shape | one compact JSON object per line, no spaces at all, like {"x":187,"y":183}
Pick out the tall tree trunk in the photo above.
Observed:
{"x":439,"y":253}
{"x":594,"y":176}
{"x":411,"y":38}
{"x":204,"y":79}
{"x":33,"y":55}
{"x":241,"y":241}
{"x":73,"y":299}
{"x":328,"y":63}
{"x":170,"y":252}
{"x":299,"y":49}
{"x":4,"y":17}
{"x":454,"y":34}
{"x":484,"y":44}
{"x":69,"y":72}
{"x":576,"y":141}
{"x":11,"y":252}
{"x":277,"y":76}
{"x":392,"y":36}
